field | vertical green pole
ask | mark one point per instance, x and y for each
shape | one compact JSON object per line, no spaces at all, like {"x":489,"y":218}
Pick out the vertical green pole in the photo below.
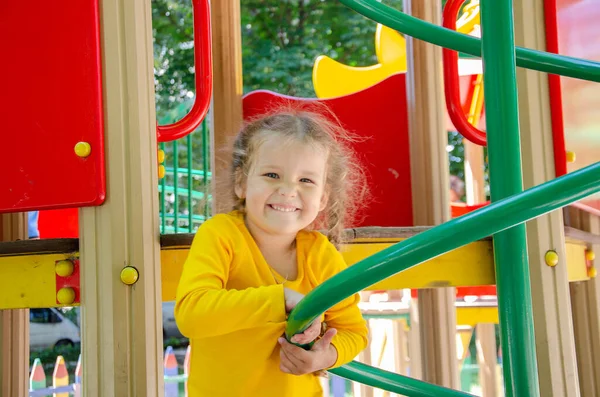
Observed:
{"x":205,"y":168}
{"x":189,"y":183}
{"x":163,"y":204}
{"x":176,"y":185}
{"x":510,"y":246}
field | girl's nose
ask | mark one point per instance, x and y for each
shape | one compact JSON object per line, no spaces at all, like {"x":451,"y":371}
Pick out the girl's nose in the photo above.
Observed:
{"x":287,"y":189}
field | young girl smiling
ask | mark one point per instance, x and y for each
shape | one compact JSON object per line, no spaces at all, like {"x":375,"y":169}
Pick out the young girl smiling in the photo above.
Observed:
{"x":247,"y":269}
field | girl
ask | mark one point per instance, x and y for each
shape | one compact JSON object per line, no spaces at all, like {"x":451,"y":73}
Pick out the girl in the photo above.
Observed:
{"x":248,"y":268}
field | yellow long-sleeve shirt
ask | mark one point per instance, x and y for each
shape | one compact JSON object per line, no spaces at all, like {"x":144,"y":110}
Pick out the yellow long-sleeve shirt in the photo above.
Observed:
{"x":233,"y":311}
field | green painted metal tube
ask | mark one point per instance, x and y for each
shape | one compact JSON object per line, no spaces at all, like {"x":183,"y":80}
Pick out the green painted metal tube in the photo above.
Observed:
{"x":205,"y":164}
{"x":493,"y":218}
{"x":189,"y":182}
{"x":530,"y":59}
{"x":163,"y":204}
{"x":504,"y":152}
{"x":176,"y":184}
{"x":394,"y":383}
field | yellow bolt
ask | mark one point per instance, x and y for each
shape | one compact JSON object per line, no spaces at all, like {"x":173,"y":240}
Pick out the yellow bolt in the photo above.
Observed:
{"x":161,"y":171}
{"x":551,"y":258}
{"x":590,"y":255}
{"x":571,"y":157}
{"x":161,"y":156}
{"x":83,"y":149}
{"x":592,"y":272}
{"x":64,"y":268}
{"x":129,"y":275}
{"x":65,"y":296}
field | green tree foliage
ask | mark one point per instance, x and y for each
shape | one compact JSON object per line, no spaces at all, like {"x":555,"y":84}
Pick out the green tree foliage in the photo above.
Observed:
{"x":280,"y":41}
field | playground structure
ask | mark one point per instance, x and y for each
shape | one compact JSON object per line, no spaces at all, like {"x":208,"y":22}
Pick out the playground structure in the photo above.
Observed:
{"x":121,"y":245}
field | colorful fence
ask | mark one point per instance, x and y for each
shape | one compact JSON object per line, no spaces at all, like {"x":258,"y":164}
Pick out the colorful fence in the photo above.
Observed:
{"x":62,"y":387}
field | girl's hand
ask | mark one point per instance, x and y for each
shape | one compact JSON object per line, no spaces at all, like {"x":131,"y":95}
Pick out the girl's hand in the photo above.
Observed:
{"x":297,"y":361}
{"x":313,"y":331}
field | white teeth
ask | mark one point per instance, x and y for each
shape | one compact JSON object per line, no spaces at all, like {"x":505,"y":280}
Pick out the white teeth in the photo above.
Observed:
{"x":283,"y":209}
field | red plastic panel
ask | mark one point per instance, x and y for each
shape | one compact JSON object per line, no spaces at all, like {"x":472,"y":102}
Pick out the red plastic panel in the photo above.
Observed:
{"x":572,"y":29}
{"x":50,"y":100}
{"x":379,"y":113}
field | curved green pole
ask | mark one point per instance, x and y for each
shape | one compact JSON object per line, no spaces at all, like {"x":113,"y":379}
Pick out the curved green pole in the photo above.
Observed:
{"x":495,"y":217}
{"x":484,"y":222}
{"x":510,"y":246}
{"x":402,"y":385}
{"x":530,"y":59}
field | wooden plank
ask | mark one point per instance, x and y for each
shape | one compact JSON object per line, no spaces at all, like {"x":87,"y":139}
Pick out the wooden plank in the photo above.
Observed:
{"x":226,"y":112}
{"x":122,"y":329}
{"x":14,"y":324}
{"x":430,"y":190}
{"x":554,"y":345}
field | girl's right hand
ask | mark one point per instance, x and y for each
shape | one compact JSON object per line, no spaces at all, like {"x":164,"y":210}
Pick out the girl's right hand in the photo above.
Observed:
{"x":313,"y":331}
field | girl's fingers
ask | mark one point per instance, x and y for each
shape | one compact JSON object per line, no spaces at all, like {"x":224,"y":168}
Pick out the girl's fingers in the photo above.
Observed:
{"x":309,"y":334}
{"x":286,"y":363}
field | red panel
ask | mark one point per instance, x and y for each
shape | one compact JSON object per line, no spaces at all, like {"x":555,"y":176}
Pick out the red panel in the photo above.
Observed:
{"x":573,"y":30}
{"x":63,"y":223}
{"x":50,"y":100}
{"x":378,"y":112}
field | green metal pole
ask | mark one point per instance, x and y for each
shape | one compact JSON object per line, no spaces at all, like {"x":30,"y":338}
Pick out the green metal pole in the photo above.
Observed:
{"x":176,"y":184}
{"x":189,"y":184}
{"x":205,"y":167}
{"x":504,"y":152}
{"x":163,"y":204}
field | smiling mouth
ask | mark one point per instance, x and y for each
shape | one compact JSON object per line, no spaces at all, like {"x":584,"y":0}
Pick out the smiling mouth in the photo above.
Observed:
{"x":283,"y":208}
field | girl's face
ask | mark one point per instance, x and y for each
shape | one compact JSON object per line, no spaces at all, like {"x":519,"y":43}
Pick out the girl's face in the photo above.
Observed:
{"x":285,"y":187}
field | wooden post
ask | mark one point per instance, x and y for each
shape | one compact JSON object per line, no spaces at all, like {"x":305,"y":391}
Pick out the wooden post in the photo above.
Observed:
{"x":14,"y":324}
{"x":226,"y":110}
{"x":585,"y":301}
{"x":121,"y":324}
{"x":486,"y":357}
{"x":549,"y":285}
{"x":430,"y":190}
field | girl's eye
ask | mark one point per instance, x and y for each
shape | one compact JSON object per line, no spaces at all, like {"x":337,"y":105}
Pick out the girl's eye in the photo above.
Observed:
{"x":306,"y":180}
{"x":271,"y":175}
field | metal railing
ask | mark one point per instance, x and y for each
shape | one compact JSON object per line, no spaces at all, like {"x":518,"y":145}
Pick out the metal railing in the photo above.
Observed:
{"x":504,"y":218}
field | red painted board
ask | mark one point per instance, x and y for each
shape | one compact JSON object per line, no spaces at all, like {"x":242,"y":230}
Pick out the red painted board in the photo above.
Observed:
{"x":572,"y":29}
{"x":50,"y":99}
{"x":377,"y":114}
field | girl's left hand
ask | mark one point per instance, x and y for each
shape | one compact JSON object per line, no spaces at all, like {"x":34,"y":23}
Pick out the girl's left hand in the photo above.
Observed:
{"x":297,"y":361}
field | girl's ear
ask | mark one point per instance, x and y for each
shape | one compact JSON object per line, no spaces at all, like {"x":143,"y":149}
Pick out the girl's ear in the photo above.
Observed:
{"x":324,"y":200}
{"x":239,"y":188}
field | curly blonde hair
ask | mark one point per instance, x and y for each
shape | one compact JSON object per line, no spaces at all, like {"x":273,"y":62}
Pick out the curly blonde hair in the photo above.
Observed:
{"x":345,"y":181}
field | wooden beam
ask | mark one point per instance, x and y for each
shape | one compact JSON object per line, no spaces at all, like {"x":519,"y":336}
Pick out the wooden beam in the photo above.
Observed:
{"x":585,"y":301}
{"x":226,"y":113}
{"x":430,"y":190}
{"x":486,"y":357}
{"x":121,"y":324}
{"x":14,"y":324}
{"x":549,"y":285}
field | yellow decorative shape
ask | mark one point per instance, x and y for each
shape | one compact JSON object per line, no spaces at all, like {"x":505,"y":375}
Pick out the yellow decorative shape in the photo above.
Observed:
{"x":129,"y":275}
{"x":65,"y":296}
{"x":161,"y":171}
{"x":571,"y":157}
{"x":161,"y":156}
{"x":592,"y":272}
{"x":64,"y":268}
{"x":83,"y":149}
{"x":334,"y":79}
